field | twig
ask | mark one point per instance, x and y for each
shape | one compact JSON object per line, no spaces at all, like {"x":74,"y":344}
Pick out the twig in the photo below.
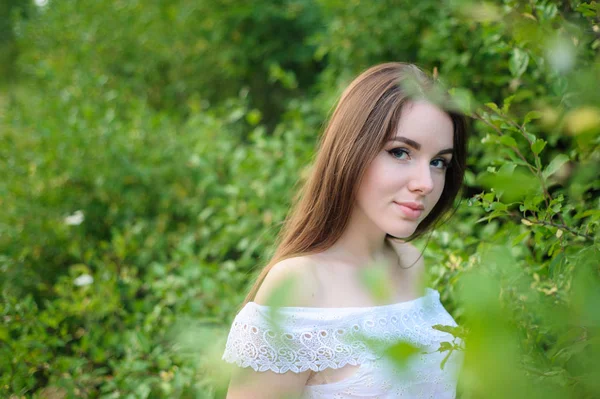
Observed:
{"x":517,"y":217}
{"x":535,"y":171}
{"x":564,"y":227}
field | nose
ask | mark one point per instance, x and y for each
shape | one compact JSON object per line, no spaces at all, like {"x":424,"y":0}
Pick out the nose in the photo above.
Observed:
{"x":422,"y":180}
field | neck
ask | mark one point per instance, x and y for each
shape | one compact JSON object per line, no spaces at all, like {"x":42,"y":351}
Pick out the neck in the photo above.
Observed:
{"x":362,"y":243}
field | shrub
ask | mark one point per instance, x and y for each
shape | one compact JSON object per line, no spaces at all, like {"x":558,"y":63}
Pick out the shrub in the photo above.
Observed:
{"x":151,"y":152}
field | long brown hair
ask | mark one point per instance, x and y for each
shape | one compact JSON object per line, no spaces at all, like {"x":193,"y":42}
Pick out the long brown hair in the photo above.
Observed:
{"x":366,"y":116}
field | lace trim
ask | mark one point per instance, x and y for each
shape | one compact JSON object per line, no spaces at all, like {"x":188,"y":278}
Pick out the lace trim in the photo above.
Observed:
{"x":300,"y":339}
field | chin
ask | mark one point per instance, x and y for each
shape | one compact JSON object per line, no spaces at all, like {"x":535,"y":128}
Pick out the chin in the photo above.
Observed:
{"x":401,"y":233}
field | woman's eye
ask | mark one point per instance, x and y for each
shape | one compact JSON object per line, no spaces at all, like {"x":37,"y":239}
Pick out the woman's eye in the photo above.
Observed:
{"x":442,"y":163}
{"x":397,"y":152}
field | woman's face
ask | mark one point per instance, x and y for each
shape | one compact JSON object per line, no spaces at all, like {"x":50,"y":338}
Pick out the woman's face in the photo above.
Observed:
{"x":411,"y":168}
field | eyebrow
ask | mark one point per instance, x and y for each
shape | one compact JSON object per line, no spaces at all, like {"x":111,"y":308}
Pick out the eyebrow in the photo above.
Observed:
{"x":417,"y":146}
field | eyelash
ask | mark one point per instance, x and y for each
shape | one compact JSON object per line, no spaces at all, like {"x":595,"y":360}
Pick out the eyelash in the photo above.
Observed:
{"x":407,"y":152}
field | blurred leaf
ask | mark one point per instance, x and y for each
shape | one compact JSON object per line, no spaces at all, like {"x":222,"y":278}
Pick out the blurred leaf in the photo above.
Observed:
{"x":554,"y":165}
{"x":376,"y":279}
{"x":582,"y":120}
{"x":513,"y":185}
{"x":538,"y":146}
{"x":531,"y":115}
{"x":401,"y":353}
{"x":519,"y":60}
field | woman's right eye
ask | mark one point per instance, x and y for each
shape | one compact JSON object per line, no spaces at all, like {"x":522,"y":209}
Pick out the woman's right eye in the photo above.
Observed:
{"x":397,"y":152}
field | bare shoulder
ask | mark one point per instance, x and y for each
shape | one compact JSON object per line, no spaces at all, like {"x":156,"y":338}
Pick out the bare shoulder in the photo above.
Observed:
{"x":293,"y":281}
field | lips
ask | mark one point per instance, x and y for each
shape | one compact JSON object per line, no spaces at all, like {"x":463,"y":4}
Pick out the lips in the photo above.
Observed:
{"x":411,"y":210}
{"x":412,"y":205}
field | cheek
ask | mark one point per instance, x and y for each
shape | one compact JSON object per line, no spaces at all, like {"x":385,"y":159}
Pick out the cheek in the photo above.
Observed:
{"x":442,"y":182}
{"x":439,"y":188}
{"x":378,"y":179}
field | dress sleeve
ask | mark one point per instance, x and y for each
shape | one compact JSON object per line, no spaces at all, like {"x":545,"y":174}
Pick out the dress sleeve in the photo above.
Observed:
{"x":295,"y":339}
{"x":300,"y":339}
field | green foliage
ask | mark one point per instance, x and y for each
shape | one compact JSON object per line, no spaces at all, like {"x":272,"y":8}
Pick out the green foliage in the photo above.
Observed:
{"x":180,"y":56}
{"x":150,"y":151}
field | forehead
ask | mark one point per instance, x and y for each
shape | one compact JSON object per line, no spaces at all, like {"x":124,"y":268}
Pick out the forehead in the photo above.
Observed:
{"x":426,"y":124}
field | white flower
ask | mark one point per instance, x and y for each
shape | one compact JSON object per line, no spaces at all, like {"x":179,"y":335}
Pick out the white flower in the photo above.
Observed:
{"x":74,"y":219}
{"x":84,"y":279}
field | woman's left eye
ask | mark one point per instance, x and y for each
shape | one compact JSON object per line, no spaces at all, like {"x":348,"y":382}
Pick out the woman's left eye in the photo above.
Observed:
{"x":398,"y":152}
{"x":443,"y":163}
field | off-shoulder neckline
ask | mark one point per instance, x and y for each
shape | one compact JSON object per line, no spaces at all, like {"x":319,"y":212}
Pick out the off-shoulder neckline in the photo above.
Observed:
{"x":428,"y":292}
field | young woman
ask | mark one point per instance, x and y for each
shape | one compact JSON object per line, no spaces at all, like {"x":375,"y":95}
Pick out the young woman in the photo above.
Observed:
{"x":389,"y":166}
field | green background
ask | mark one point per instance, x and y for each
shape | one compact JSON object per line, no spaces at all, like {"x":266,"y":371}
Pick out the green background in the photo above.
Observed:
{"x":149,"y":151}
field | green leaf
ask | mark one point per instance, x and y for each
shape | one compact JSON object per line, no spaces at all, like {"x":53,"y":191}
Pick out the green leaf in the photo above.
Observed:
{"x":491,"y":216}
{"x":509,"y":141}
{"x":514,"y":186}
{"x":446,"y":359}
{"x":587,"y":9}
{"x":463,"y":98}
{"x":375,"y":279}
{"x":518,"y":239}
{"x":554,"y":165}
{"x":498,"y":206}
{"x":457,"y":331}
{"x":401,"y":352}
{"x":494,"y":107}
{"x":280,"y":293}
{"x":143,"y":390}
{"x":507,"y":169}
{"x":538,"y":146}
{"x":531,"y":115}
{"x":518,"y":62}
{"x":254,"y":117}
{"x":531,"y":203}
{"x":530,"y":136}
{"x":507,"y":102}
{"x":4,"y":334}
{"x":445,"y":346}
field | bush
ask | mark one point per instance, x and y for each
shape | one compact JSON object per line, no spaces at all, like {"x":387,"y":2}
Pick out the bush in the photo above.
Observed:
{"x":151,"y":152}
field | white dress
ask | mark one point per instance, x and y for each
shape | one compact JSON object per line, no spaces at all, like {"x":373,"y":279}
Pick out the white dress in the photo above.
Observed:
{"x":303,"y":338}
